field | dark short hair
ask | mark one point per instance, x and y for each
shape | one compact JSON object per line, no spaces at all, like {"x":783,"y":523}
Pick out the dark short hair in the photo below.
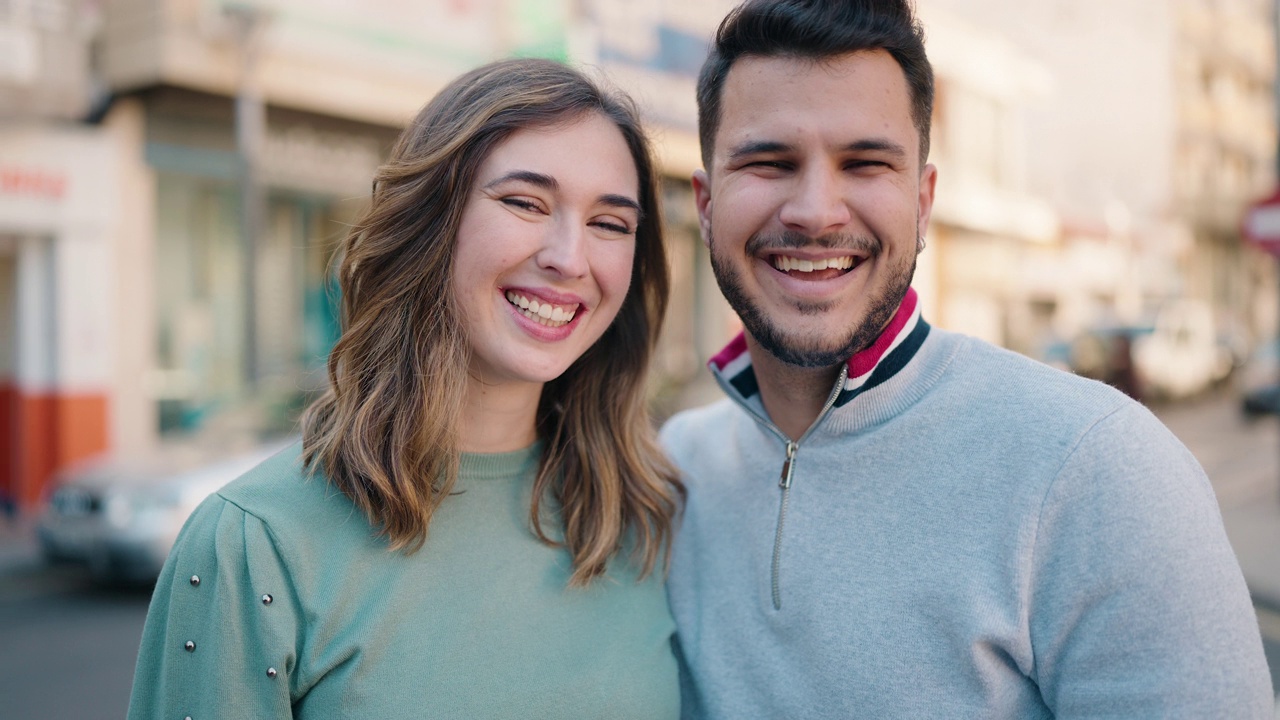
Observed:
{"x":816,"y":30}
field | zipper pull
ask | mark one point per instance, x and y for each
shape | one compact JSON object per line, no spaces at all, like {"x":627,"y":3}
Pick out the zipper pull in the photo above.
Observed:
{"x":785,"y":481}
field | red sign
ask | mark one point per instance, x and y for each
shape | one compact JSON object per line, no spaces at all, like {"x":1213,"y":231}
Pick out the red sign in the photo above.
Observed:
{"x":51,"y":185}
{"x":1262,"y":224}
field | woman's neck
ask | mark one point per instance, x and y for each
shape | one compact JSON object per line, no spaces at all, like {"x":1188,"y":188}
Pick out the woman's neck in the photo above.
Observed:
{"x":499,"y":418}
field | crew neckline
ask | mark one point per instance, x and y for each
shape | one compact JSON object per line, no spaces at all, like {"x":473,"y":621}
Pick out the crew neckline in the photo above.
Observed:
{"x":499,"y":466}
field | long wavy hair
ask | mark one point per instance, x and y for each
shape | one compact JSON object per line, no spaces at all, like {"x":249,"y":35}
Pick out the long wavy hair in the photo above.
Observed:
{"x":386,"y":432}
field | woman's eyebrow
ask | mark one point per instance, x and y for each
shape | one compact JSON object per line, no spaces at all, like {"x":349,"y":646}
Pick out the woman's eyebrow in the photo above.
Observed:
{"x":621,"y":201}
{"x":533,"y":178}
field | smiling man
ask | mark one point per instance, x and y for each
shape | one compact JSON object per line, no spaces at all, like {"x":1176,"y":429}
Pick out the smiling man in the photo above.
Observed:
{"x":886,"y":519}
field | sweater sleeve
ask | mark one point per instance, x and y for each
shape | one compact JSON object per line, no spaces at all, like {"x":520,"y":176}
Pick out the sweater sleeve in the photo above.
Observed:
{"x":220,"y":637}
{"x":1137,"y":607}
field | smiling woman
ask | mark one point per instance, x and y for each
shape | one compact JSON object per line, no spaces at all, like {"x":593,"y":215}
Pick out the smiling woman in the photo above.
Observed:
{"x":501,"y":300}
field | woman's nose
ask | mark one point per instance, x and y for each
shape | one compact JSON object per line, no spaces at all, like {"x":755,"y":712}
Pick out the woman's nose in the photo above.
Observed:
{"x":564,"y":249}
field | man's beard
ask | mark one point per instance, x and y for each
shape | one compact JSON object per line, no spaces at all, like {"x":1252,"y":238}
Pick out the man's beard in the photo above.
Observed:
{"x":813,"y":352}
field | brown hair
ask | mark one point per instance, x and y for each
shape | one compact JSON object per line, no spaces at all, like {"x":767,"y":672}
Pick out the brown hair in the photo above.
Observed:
{"x":385,"y":432}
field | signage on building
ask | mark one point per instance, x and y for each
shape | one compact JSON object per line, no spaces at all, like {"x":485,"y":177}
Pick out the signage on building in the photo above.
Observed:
{"x":1262,"y":224}
{"x":32,"y":182}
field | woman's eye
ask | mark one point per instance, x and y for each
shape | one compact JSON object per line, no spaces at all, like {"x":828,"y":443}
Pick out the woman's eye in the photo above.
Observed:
{"x":520,"y":202}
{"x":613,"y":227}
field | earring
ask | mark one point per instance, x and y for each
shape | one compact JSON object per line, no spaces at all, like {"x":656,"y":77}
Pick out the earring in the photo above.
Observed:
{"x":919,"y":244}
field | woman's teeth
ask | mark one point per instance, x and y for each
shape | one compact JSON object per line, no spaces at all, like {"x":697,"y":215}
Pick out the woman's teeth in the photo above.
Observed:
{"x":787,"y":264}
{"x":544,"y":313}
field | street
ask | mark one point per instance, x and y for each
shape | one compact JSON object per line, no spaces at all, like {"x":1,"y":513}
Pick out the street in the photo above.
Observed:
{"x":67,"y":648}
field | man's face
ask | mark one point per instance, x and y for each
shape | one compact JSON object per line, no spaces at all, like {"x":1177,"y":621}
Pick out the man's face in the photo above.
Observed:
{"x":814,"y":201}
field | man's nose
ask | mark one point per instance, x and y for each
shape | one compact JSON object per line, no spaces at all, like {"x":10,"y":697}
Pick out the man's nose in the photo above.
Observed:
{"x":564,"y":249}
{"x":817,"y":206}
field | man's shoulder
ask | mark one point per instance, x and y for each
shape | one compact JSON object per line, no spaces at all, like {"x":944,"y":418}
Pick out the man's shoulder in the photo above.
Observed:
{"x":1005,"y":381}
{"x":696,"y":426}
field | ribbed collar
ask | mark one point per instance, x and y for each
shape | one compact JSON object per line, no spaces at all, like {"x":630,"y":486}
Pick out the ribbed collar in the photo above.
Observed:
{"x":500,"y":466}
{"x":872,"y":366}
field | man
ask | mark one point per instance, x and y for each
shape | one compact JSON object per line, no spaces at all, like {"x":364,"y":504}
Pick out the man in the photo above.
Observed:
{"x":888,"y":520}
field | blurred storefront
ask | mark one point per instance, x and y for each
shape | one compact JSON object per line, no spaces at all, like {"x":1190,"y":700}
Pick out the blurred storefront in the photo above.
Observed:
{"x":316,"y":172}
{"x":56,"y":265}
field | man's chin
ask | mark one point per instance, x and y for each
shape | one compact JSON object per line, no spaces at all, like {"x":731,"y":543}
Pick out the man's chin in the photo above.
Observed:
{"x":799,"y":351}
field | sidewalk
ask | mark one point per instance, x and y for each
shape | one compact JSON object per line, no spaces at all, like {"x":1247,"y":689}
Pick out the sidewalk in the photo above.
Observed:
{"x":18,"y":547}
{"x":1254,"y":532}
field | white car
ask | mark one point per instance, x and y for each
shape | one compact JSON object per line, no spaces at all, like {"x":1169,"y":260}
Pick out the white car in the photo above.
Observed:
{"x":121,"y":516}
{"x":1183,"y":355}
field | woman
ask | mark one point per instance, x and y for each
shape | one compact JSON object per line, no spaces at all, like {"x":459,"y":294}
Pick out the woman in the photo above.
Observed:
{"x":473,"y":522}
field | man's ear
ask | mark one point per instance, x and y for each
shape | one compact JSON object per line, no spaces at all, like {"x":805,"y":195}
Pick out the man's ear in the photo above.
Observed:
{"x":702,"y":198}
{"x":924,"y":206}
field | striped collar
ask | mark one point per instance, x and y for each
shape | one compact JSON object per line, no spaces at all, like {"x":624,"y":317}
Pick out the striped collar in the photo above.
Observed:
{"x":867,"y":368}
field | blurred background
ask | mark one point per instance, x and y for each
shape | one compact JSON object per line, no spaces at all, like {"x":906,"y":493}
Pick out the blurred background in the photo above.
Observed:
{"x":175,"y":176}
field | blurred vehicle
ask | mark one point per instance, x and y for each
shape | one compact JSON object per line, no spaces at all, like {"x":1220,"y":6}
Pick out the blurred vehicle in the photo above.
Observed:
{"x":1105,"y":352}
{"x":1261,"y":401}
{"x":1258,"y":381}
{"x":121,"y":516}
{"x":1183,"y":355}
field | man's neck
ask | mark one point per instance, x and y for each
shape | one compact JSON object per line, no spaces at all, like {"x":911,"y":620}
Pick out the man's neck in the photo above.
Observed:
{"x":792,"y":395}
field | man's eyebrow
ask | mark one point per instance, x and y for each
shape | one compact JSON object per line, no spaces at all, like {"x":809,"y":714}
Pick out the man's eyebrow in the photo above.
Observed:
{"x":764,"y":147}
{"x":757,"y":147}
{"x":533,"y":178}
{"x":877,"y":145}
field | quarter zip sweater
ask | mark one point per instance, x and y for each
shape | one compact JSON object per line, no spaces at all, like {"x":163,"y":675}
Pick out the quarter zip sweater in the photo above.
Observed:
{"x":962,"y":533}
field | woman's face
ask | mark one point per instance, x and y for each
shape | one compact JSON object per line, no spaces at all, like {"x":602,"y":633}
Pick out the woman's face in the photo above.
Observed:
{"x":545,"y":248}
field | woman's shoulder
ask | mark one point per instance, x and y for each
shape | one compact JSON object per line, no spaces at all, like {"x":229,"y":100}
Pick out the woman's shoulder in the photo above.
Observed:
{"x":296,"y":504}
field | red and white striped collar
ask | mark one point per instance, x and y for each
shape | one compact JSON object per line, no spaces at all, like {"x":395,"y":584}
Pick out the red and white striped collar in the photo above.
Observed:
{"x":868,"y":367}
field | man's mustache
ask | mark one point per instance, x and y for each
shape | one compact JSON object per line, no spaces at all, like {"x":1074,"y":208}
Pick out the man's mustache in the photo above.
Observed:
{"x":789,"y":240}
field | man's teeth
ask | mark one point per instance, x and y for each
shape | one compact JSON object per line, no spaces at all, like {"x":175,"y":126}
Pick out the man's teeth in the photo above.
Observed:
{"x":544,"y":313}
{"x":786,"y":264}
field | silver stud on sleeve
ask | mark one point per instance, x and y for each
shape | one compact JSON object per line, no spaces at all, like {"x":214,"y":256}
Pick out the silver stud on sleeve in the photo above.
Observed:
{"x":266,"y":599}
{"x":271,"y":672}
{"x":190,"y":646}
{"x":195,"y":581}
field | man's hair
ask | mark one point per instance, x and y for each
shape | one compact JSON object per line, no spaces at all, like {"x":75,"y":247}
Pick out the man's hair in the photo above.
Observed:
{"x":386,"y":431}
{"x":816,"y":30}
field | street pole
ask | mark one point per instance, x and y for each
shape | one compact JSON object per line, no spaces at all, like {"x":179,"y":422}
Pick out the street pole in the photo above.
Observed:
{"x":250,"y":129}
{"x":1275,"y":46}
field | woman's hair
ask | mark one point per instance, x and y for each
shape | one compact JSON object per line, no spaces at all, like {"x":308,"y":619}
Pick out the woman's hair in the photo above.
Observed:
{"x":386,"y":430}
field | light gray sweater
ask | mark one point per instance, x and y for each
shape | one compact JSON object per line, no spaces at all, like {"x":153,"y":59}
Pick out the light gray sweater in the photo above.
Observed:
{"x":976,"y":535}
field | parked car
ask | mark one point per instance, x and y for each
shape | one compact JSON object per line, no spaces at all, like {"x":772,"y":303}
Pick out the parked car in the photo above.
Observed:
{"x":1258,"y":381}
{"x":121,"y":516}
{"x":1183,"y":355}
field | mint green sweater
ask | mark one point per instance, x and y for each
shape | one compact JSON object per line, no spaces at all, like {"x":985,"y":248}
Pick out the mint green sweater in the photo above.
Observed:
{"x":299,"y":611}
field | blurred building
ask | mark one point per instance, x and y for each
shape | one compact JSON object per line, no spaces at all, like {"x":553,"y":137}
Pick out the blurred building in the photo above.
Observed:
{"x":58,"y":222}
{"x":986,"y":222}
{"x":1158,"y":128}
{"x":181,"y":171}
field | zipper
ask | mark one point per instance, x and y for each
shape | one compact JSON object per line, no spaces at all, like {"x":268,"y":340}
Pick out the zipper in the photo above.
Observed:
{"x":788,"y":468}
